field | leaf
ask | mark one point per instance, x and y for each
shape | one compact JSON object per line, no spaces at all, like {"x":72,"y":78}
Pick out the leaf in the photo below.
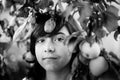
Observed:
{"x":111,"y":22}
{"x":115,"y":57}
{"x":100,"y":33}
{"x":111,"y":66}
{"x":42,"y":4}
{"x":116,"y":1}
{"x":67,"y":12}
{"x":22,"y":30}
{"x":60,"y":6}
{"x":6,"y":4}
{"x":111,"y":18}
{"x":117,"y":32}
{"x":19,"y":32}
{"x":85,"y":12}
{"x":74,"y":24}
{"x":20,"y":1}
{"x":67,"y":1}
{"x":1,"y":7}
{"x":113,"y":9}
{"x":23,"y":12}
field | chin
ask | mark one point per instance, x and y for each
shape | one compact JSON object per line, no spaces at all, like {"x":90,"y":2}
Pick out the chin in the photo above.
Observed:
{"x":51,"y":68}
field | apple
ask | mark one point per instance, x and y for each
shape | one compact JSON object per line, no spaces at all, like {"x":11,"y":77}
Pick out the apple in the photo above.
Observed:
{"x":98,"y":66}
{"x":90,"y":51}
{"x":28,"y":57}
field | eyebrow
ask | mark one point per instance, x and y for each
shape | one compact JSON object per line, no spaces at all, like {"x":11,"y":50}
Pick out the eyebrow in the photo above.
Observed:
{"x":60,"y":33}
{"x":49,"y":35}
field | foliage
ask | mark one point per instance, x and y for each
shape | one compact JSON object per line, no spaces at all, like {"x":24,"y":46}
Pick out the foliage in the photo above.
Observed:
{"x":97,"y":19}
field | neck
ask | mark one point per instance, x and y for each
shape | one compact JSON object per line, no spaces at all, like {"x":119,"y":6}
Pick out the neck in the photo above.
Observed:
{"x":63,"y":74}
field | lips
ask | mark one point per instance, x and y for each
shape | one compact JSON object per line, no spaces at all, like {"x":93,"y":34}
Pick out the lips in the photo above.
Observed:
{"x":52,"y":58}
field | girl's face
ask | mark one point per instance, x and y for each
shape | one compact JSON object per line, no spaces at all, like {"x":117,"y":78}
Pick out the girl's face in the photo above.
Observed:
{"x":51,"y":52}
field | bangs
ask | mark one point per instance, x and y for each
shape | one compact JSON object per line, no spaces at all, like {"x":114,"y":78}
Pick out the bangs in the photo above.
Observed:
{"x":59,"y":20}
{"x":41,"y":19}
{"x":39,"y":28}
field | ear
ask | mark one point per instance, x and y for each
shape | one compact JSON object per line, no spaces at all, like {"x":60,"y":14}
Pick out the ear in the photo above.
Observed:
{"x":73,"y":40}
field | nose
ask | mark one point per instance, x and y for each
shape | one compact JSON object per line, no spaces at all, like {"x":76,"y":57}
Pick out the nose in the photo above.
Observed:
{"x":50,"y":46}
{"x":51,"y":50}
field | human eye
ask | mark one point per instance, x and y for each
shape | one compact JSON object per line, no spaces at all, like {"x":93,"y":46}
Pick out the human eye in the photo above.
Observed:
{"x":41,"y":40}
{"x":59,"y":38}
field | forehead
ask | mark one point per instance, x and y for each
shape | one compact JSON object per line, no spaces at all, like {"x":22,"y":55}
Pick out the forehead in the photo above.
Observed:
{"x":65,"y":31}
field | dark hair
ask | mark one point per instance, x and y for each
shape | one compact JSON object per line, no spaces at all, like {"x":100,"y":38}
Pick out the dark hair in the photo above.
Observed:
{"x":39,"y":28}
{"x":39,"y":32}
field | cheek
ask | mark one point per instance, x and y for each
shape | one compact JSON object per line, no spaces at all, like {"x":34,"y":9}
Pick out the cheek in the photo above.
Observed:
{"x":38,"y":53}
{"x":64,"y":52}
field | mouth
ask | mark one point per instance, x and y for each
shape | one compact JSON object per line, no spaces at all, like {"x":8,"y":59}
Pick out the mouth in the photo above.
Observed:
{"x":51,"y":58}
